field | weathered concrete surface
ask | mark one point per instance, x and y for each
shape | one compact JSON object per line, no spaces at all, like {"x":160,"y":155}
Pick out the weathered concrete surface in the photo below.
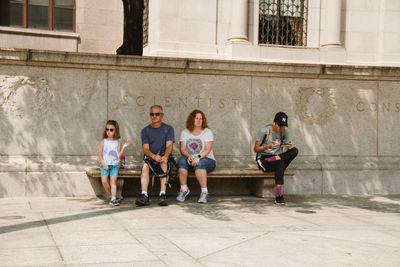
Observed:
{"x":53,"y":106}
{"x":308,"y":231}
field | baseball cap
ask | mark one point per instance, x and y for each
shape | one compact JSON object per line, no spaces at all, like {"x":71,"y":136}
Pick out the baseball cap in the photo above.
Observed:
{"x":281,"y":119}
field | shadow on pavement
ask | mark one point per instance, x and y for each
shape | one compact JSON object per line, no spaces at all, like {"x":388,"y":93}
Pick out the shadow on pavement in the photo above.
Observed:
{"x":215,"y":208}
{"x":68,"y":218}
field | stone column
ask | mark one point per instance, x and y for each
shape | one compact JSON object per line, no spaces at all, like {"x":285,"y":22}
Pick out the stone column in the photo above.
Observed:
{"x":333,"y":13}
{"x":239,"y":28}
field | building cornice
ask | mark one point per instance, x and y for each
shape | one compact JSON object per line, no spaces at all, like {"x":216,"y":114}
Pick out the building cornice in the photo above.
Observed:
{"x":195,"y":66}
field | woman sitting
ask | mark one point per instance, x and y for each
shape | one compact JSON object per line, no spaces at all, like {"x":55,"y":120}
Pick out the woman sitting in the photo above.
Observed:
{"x":196,"y":144}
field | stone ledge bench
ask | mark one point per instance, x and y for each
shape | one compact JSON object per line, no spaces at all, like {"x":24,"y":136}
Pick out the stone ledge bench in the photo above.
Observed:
{"x":257,"y":176}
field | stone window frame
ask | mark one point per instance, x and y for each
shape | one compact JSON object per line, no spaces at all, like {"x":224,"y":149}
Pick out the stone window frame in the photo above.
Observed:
{"x":25,"y":4}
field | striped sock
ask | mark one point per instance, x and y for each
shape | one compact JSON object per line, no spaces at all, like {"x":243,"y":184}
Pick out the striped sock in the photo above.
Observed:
{"x":279,"y":191}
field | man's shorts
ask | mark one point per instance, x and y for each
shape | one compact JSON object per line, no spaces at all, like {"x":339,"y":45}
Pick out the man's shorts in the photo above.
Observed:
{"x":204,"y":163}
{"x":112,"y":170}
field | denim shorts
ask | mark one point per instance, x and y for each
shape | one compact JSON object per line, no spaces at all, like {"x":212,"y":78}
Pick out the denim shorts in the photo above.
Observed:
{"x":204,"y":163}
{"x":112,"y":170}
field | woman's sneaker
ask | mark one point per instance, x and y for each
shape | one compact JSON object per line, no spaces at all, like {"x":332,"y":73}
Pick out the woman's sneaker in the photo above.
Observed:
{"x":280,"y":200}
{"x":182,"y":195}
{"x":113,"y":203}
{"x":203,"y":198}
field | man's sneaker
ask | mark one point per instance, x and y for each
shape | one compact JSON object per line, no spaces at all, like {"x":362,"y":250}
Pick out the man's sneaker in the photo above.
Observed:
{"x":143,"y":200}
{"x":113,"y":203}
{"x":203,"y":198}
{"x":162,"y":200}
{"x":182,"y":195}
{"x":280,"y":200}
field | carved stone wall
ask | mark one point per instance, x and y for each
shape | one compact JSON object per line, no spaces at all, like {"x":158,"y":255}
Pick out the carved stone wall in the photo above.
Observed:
{"x":53,"y":106}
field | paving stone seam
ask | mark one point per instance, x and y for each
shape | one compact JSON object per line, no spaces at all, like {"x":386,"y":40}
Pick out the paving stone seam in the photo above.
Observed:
{"x":106,"y":262}
{"x":376,"y":224}
{"x":23,"y":248}
{"x":390,"y":228}
{"x":52,"y":237}
{"x":183,"y":251}
{"x":134,"y":237}
{"x":234,"y":245}
{"x":340,"y":239}
{"x":362,"y":223}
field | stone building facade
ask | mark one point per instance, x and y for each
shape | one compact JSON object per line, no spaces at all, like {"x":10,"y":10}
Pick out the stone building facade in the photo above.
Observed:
{"x":338,"y":79}
{"x":53,"y":107}
{"x":355,"y":32}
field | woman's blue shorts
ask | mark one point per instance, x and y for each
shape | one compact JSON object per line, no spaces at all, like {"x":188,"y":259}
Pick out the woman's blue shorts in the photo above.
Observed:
{"x":204,"y":163}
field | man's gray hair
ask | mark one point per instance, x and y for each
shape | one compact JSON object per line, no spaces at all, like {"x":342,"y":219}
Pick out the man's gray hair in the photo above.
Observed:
{"x":156,"y":106}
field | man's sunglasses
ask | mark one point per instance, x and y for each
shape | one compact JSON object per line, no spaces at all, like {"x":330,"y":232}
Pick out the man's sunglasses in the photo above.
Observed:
{"x":155,"y":114}
{"x":109,"y":130}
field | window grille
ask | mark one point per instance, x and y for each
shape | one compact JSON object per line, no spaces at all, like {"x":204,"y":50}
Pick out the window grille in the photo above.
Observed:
{"x":146,"y":23}
{"x":283,"y":22}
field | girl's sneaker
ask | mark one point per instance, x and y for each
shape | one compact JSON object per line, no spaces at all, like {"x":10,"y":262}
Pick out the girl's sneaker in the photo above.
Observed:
{"x":203,"y":198}
{"x":182,"y":195}
{"x":113,"y":203}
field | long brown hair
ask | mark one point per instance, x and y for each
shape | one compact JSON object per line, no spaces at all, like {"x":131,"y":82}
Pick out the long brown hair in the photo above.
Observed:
{"x":115,"y":124}
{"x":192,"y":116}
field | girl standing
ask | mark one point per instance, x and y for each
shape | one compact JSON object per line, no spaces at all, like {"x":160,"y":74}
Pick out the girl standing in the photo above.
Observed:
{"x":109,"y":154}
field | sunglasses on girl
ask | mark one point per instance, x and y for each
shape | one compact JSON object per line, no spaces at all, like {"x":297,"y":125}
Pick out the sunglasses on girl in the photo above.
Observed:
{"x":109,"y":130}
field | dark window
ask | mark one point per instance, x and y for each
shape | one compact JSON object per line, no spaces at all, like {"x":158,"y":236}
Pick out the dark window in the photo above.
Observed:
{"x":40,"y":14}
{"x":11,"y":13}
{"x":283,"y":22}
{"x":63,"y":15}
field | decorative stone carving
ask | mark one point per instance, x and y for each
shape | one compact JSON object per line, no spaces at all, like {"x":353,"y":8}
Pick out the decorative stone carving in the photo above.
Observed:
{"x":315,"y":105}
{"x":21,"y":96}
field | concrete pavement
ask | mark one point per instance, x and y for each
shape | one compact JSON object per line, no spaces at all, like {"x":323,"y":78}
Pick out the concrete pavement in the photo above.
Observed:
{"x":235,"y":231}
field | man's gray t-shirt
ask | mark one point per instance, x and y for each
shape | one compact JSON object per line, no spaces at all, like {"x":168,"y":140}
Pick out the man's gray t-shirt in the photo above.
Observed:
{"x":157,"y":137}
{"x":270,"y":136}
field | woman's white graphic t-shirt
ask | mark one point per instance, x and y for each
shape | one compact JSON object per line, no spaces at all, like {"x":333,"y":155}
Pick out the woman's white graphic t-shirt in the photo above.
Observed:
{"x":110,"y":152}
{"x":195,"y":144}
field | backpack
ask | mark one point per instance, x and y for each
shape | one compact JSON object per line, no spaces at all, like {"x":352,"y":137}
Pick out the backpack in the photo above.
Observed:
{"x":157,"y":171}
{"x":266,"y":136}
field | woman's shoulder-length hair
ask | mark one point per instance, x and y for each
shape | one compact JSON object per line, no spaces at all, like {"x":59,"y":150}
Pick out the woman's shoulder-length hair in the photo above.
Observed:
{"x":192,"y":116}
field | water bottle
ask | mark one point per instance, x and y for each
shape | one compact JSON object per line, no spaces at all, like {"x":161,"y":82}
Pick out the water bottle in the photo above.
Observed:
{"x":122,"y":162}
